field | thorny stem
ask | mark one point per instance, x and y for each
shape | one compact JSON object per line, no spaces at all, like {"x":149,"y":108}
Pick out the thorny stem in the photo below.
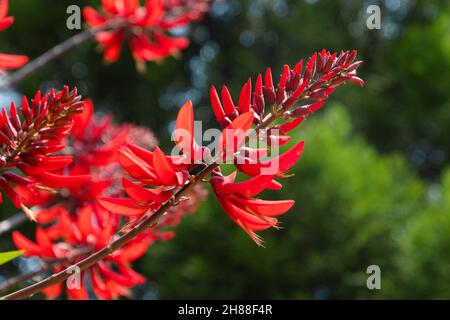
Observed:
{"x":56,"y":52}
{"x":115,"y":245}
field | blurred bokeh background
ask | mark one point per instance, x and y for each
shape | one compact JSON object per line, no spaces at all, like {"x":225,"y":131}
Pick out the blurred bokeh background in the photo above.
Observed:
{"x":373,"y":186}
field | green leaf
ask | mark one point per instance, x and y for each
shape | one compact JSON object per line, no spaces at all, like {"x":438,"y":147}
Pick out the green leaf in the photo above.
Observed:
{"x":8,"y":256}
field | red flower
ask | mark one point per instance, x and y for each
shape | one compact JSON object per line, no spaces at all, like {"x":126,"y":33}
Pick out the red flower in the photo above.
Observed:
{"x":8,"y":61}
{"x":144,"y":27}
{"x":72,"y":235}
{"x":28,"y":144}
{"x":94,"y":142}
{"x":149,"y":169}
{"x":316,"y":82}
{"x":251,"y":214}
{"x":70,"y":240}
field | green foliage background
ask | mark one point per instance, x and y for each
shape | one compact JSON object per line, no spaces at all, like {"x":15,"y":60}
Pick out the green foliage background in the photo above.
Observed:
{"x":373,"y":186}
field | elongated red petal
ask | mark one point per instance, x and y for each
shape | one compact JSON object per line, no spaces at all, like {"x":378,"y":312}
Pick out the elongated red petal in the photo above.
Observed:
{"x":5,"y":23}
{"x":67,"y":226}
{"x":134,"y":165}
{"x":78,"y":293}
{"x":162,"y":167}
{"x":54,"y":291}
{"x":60,"y":181}
{"x":291,"y":125}
{"x":184,"y":133}
{"x":85,"y":221}
{"x":228,"y":105}
{"x":235,"y":134}
{"x":245,"y":97}
{"x":56,"y":162}
{"x":185,"y":121}
{"x":92,"y":17}
{"x":274,"y":166}
{"x":145,"y":195}
{"x":135,"y":277}
{"x":3,"y":8}
{"x":247,"y":188}
{"x":121,"y":206}
{"x":131,"y":252}
{"x":216,"y":105}
{"x":44,"y":241}
{"x":22,"y":243}
{"x":253,"y":222}
{"x":9,"y":61}
{"x":269,"y":208}
{"x":99,"y":285}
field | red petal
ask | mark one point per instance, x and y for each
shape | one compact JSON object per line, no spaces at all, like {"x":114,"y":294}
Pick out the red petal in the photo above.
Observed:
{"x":130,"y":6}
{"x":122,"y":206}
{"x":54,"y":291}
{"x":8,"y":61}
{"x":59,"y":181}
{"x":135,"y":277}
{"x":235,"y":134}
{"x":6,"y":23}
{"x":291,"y":125}
{"x":78,"y":293}
{"x":22,"y":243}
{"x":134,"y":165}
{"x":82,"y":120}
{"x":269,"y":208}
{"x":131,"y":252}
{"x":162,"y":167}
{"x":99,"y":285}
{"x":141,"y":194}
{"x":248,"y":188}
{"x":245,"y":97}
{"x":228,"y":105}
{"x":56,"y":162}
{"x":43,"y":240}
{"x":184,"y":133}
{"x":245,"y":219}
{"x":216,"y":105}
{"x":66,"y":225}
{"x":3,"y":8}
{"x":85,"y":221}
{"x":274,"y":166}
{"x":92,"y":17}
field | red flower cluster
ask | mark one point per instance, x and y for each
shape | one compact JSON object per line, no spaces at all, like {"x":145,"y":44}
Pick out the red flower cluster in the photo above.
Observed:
{"x":9,"y":61}
{"x":323,"y":73}
{"x":150,"y":169}
{"x":146,"y":28}
{"x":156,"y":176}
{"x":77,"y":226}
{"x":28,"y":145}
{"x":73,"y":238}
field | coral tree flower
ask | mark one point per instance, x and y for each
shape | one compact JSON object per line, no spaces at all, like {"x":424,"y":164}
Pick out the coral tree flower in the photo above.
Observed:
{"x":9,"y":61}
{"x":156,"y":176}
{"x":251,"y":214}
{"x":77,"y":226}
{"x":145,"y":28}
{"x":29,"y":144}
{"x":70,"y":240}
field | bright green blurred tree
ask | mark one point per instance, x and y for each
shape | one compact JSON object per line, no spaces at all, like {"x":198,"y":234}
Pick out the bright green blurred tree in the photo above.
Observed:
{"x":424,"y":261}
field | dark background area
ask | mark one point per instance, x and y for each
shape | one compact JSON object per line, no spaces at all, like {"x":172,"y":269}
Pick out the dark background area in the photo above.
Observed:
{"x":373,"y":186}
